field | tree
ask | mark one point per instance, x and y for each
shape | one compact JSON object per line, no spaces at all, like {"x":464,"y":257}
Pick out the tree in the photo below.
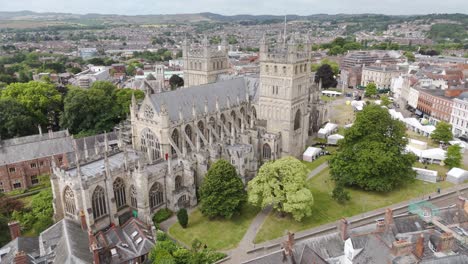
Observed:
{"x":123,"y":99}
{"x":454,"y":156}
{"x":340,"y":194}
{"x":334,"y":65}
{"x":175,"y":81}
{"x":325,"y":73}
{"x":385,"y":101}
{"x":282,"y":184}
{"x":372,"y":154}
{"x":409,"y":56}
{"x":371,"y":89}
{"x":222,"y":192}
{"x":42,"y":100}
{"x":39,"y":217}
{"x":442,"y":132}
{"x":15,"y":119}
{"x":182,"y":217}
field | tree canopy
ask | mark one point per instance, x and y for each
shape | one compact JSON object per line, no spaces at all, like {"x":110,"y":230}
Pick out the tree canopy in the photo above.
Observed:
{"x":442,"y":132}
{"x":325,"y":73}
{"x":371,"y":89}
{"x":371,"y":156}
{"x":176,"y":81}
{"x":334,"y":65}
{"x":454,"y":156}
{"x":222,"y":192}
{"x":15,"y":119}
{"x":282,"y":184}
{"x":40,"y":99}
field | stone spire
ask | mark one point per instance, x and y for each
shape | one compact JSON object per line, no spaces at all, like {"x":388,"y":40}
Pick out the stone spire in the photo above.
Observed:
{"x":206,"y":106}
{"x":194,"y":110}
{"x":181,"y":117}
{"x":217,"y":103}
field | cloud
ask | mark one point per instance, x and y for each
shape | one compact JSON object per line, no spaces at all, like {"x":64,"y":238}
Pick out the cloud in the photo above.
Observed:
{"x":301,"y":7}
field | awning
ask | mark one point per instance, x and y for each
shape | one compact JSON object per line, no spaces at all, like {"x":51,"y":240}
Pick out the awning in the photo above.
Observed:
{"x":419,"y":113}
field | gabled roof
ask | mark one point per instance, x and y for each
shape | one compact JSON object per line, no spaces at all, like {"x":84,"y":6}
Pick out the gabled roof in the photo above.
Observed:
{"x":186,"y":98}
{"x":29,"y":245}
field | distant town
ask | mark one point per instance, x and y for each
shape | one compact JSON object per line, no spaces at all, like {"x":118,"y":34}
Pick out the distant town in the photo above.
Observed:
{"x":204,"y":138}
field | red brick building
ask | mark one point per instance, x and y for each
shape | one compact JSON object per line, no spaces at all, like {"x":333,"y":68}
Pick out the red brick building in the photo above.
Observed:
{"x":437,"y":104}
{"x":23,"y":159}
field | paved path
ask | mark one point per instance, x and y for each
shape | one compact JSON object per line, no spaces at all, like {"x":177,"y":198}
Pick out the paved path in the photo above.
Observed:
{"x":239,"y":254}
{"x":317,"y":170}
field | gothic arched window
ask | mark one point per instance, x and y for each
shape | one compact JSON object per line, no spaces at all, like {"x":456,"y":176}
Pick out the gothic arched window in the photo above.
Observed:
{"x":149,"y":142}
{"x":99,"y":202}
{"x":178,"y":183}
{"x":297,"y":120}
{"x":156,"y":195}
{"x":266,"y":151}
{"x":119,"y":193}
{"x":133,"y":197}
{"x":69,"y":198}
{"x":175,"y":138}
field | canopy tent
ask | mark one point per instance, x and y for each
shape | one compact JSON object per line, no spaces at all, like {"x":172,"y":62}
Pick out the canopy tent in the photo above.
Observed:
{"x":327,"y":130}
{"x":426,"y":175}
{"x":457,"y":175}
{"x":358,"y":105}
{"x":333,"y":139}
{"x":331,"y":93}
{"x":348,"y":125}
{"x":417,"y":144}
{"x":396,"y":115}
{"x":434,"y":155}
{"x":311,"y":154}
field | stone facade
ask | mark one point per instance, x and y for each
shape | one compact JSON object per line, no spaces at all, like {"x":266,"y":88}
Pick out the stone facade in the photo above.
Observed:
{"x":177,"y":135}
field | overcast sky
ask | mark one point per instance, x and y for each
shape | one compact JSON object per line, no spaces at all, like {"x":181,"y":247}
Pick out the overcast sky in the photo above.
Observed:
{"x":231,"y":7}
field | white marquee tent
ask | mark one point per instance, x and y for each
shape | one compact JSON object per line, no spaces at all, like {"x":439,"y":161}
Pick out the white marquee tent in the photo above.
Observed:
{"x":457,"y":175}
{"x":311,"y":154}
{"x":333,"y":139}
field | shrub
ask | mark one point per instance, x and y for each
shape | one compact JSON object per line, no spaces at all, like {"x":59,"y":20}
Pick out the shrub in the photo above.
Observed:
{"x":340,"y":194}
{"x":182,"y":216}
{"x":162,"y":215}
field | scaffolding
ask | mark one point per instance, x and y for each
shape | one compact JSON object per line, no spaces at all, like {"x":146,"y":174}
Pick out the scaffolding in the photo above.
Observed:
{"x":424,"y":209}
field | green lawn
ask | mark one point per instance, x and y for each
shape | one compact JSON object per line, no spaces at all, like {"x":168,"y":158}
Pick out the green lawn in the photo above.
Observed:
{"x":326,"y":210}
{"x":216,"y":234}
{"x":327,"y":98}
{"x":342,"y":114}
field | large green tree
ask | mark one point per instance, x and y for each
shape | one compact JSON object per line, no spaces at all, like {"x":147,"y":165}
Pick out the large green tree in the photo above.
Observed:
{"x":371,"y":89}
{"x":325,"y":73}
{"x":282,"y":184}
{"x":442,"y":132}
{"x":15,"y":119}
{"x":372,"y":156}
{"x":454,"y":156}
{"x":123,"y":99}
{"x":222,"y":192}
{"x":41,"y":99}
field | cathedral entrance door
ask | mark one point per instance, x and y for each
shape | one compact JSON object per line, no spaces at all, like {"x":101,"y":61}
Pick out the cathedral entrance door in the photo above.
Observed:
{"x":183,"y":202}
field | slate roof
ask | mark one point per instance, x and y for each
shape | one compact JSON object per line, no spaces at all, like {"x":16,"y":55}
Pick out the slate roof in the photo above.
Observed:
{"x":456,"y":259}
{"x":130,"y":241}
{"x":65,"y":242}
{"x":33,"y":147}
{"x":29,"y":245}
{"x":184,"y":99}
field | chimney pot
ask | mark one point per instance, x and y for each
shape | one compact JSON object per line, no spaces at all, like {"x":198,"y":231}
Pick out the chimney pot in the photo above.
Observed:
{"x":15,"y":229}
{"x":20,"y":258}
{"x":420,"y":246}
{"x":388,"y":217}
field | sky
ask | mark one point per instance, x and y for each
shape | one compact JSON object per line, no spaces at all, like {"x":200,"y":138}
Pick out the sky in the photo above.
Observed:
{"x":232,"y":7}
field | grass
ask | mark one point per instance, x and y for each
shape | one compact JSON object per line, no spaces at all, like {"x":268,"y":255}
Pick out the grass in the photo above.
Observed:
{"x":326,"y":210}
{"x":342,"y":114}
{"x":314,"y":164}
{"x":328,"y":98}
{"x":219,"y":234}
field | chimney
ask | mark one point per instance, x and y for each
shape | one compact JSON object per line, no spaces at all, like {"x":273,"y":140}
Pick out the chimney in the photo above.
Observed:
{"x":461,"y":203}
{"x":380,"y":226}
{"x":388,"y":217}
{"x":343,"y":228}
{"x":84,"y":226}
{"x":419,"y":246}
{"x":446,"y":242}
{"x":15,"y":229}
{"x":20,"y":258}
{"x":289,"y":244}
{"x":95,"y":250}
{"x":402,"y":248}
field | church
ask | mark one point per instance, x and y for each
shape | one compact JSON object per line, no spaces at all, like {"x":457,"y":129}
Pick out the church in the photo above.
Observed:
{"x":176,"y":135}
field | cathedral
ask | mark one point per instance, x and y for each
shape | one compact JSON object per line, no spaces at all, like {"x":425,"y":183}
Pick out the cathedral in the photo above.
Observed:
{"x":176,"y":135}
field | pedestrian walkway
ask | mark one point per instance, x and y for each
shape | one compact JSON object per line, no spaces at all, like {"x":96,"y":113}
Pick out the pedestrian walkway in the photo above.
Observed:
{"x":317,"y":170}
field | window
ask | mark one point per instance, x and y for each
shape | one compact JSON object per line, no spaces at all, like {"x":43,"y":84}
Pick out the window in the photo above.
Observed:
{"x":150,"y":144}
{"x":60,"y":160}
{"x":34,"y":180}
{"x":33,"y":165}
{"x":175,"y":138}
{"x":148,"y":112}
{"x":178,"y":183}
{"x":16,"y":184}
{"x":156,"y":195}
{"x":133,"y":197}
{"x":41,"y":163}
{"x":119,"y":193}
{"x":69,"y":201}
{"x":297,"y":120}
{"x":99,"y":203}
{"x":266,"y":151}
{"x":11,"y":170}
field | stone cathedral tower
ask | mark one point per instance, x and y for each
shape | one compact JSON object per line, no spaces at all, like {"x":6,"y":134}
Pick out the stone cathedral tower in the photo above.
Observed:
{"x":285,"y":84}
{"x":203,"y":63}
